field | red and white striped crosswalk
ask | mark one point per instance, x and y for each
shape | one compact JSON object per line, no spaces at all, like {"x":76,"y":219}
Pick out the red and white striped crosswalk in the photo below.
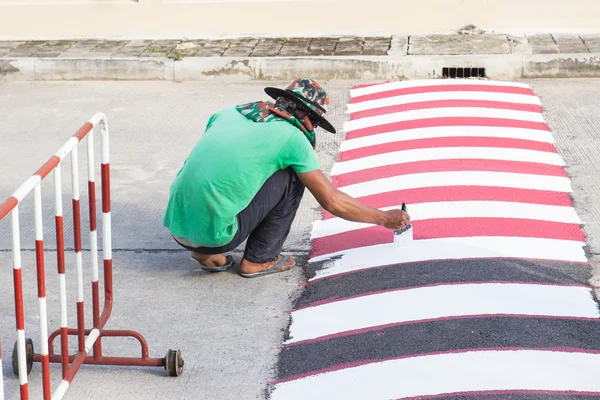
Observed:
{"x":476,"y":164}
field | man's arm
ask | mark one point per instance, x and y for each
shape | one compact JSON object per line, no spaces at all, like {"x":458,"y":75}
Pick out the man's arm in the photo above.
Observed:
{"x":346,"y":207}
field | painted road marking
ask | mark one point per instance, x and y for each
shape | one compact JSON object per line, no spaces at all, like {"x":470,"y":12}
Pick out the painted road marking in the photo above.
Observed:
{"x":514,"y":370}
{"x":442,"y":96}
{"x":439,"y":301}
{"x":456,"y":112}
{"x":441,"y":132}
{"x":447,"y":153}
{"x":447,"y":142}
{"x":461,"y":178}
{"x":449,"y":248}
{"x":459,"y":209}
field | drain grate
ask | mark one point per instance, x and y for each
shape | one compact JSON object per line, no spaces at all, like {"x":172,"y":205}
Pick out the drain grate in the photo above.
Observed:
{"x":459,"y":73}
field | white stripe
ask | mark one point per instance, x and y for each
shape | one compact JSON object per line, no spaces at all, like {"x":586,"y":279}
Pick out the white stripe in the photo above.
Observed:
{"x":43,"y":326}
{"x":90,"y":156}
{"x":441,"y":96}
{"x":459,"y":209}
{"x":447,"y":153}
{"x":37,"y":199}
{"x":448,"y":131}
{"x":450,"y":249}
{"x":75,"y":173}
{"x":63,"y":300}
{"x":91,"y":339}
{"x":442,"y":301}
{"x":106,"y":232}
{"x":26,"y":187}
{"x":459,"y":178}
{"x":67,"y":148}
{"x":466,"y":112}
{"x":94,"y":254}
{"x":384,"y":87}
{"x":60,"y":391}
{"x":104,"y":156}
{"x":16,"y":238}
{"x":489,"y":370}
{"x":21,"y":355}
{"x":58,"y":192}
{"x":79,"y":263}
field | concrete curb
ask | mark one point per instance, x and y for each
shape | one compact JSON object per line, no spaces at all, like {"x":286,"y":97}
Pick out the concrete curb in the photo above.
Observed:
{"x":500,"y":66}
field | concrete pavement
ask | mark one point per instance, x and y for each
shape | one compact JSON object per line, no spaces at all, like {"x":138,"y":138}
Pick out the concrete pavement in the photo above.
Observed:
{"x":158,"y":290}
{"x":475,"y":52}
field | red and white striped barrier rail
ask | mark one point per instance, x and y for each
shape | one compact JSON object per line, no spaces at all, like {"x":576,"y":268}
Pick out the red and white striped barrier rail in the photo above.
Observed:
{"x":87,"y":339}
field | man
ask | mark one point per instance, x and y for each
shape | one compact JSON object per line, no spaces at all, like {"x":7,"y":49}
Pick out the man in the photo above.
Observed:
{"x":245,"y":178}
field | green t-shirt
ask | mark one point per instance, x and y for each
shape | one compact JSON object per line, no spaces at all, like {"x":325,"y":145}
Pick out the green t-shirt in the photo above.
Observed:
{"x":225,"y":170}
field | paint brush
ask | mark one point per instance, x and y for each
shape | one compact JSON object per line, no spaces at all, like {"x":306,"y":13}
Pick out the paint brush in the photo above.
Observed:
{"x":403,"y":236}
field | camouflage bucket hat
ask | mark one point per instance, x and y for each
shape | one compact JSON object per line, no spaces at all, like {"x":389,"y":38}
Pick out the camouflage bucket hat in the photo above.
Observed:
{"x":308,"y":94}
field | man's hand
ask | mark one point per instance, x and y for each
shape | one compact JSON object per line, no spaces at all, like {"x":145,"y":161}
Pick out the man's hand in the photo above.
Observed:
{"x":343,"y":206}
{"x":396,"y":219}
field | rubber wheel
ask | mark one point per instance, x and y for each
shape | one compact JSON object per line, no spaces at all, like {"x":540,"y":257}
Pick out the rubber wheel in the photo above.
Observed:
{"x":174,"y":363}
{"x":28,"y":355}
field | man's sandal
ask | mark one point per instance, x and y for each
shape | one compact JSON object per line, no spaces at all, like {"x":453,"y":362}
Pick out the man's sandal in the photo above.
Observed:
{"x":220,"y":268}
{"x":270,"y":270}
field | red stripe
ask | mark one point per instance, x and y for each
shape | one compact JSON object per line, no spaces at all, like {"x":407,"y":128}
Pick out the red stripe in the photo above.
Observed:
{"x":8,"y":206}
{"x":417,"y":167}
{"x":445,"y":121}
{"x":443,"y":88}
{"x":18,"y":287}
{"x":105,"y":174}
{"x":77,"y":225}
{"x":80,"y":327}
{"x":430,"y":143}
{"x":64,"y":351}
{"x":84,"y":130}
{"x":48,"y":166}
{"x":60,"y":245}
{"x":464,"y":193}
{"x":445,"y":104}
{"x":24,"y":391}
{"x":92,"y":204}
{"x":41,"y":276}
{"x":46,"y":377}
{"x":447,"y":228}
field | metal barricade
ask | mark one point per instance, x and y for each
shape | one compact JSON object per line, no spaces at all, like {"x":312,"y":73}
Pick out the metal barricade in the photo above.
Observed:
{"x":87,"y":339}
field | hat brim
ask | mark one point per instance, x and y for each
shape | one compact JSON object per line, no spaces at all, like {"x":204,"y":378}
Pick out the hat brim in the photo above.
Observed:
{"x":276,"y":92}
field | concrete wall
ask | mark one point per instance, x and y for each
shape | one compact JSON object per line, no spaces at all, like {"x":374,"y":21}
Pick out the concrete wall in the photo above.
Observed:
{"x":47,"y":19}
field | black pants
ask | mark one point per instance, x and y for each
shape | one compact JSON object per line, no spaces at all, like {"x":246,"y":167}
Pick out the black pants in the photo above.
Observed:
{"x":267,"y":220}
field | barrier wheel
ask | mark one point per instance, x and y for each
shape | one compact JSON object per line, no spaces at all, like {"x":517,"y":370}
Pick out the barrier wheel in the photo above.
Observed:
{"x":174,"y":363}
{"x":28,"y":356}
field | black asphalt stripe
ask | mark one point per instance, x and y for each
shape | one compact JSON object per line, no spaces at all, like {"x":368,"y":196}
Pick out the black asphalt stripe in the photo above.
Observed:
{"x":445,"y":271}
{"x":439,"y":336}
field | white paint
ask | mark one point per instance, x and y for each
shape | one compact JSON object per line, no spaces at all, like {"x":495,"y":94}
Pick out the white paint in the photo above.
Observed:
{"x":58,"y":192}
{"x":441,"y":302}
{"x":450,"y":249}
{"x":43,"y":326}
{"x":90,"y":156}
{"x":26,"y":187}
{"x":447,"y":153}
{"x":104,"y":156}
{"x":37,"y":199}
{"x":459,"y":178}
{"x":60,"y":391}
{"x":79,"y":277}
{"x":91,"y":339}
{"x":67,"y":148}
{"x":63,"y":300}
{"x":384,"y":87}
{"x":447,"y":131}
{"x":94,"y":254}
{"x":75,"y":173}
{"x":106,"y":233}
{"x":442,"y":96}
{"x":470,"y":371}
{"x":459,"y":209}
{"x":16,"y":238}
{"x":22,"y":357}
{"x":462,"y":112}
